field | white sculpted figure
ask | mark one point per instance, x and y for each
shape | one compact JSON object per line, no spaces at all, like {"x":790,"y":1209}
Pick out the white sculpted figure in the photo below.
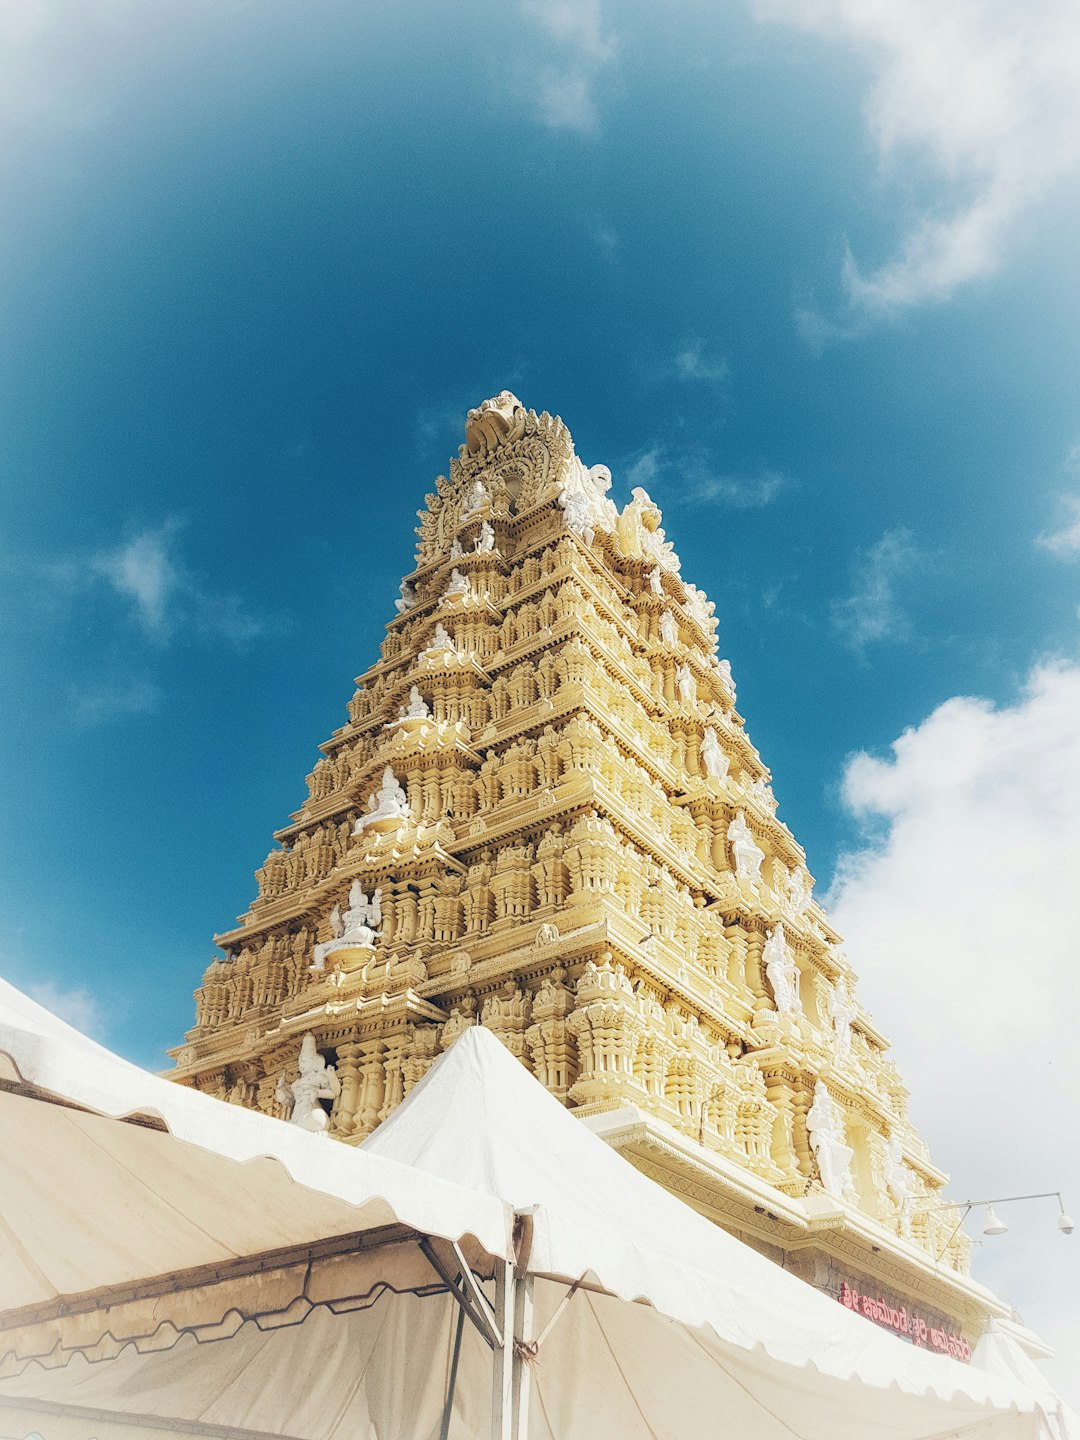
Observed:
{"x":441,"y":640}
{"x":701,"y":608}
{"x":761,"y":792}
{"x":782,"y":972}
{"x":797,"y":891}
{"x":716,"y":761}
{"x":841,"y":1013}
{"x":746,"y":853}
{"x":669,"y":628}
{"x":456,"y":551}
{"x":825,"y":1124}
{"x":485,"y":541}
{"x":417,"y":708}
{"x":684,"y":678}
{"x":578,"y":512}
{"x":458,"y":585}
{"x":408,"y":598}
{"x":363,"y":917}
{"x":656,"y":580}
{"x":724,"y":669}
{"x":317,"y":1081}
{"x":898,"y":1177}
{"x":389,"y":802}
{"x":475,"y":500}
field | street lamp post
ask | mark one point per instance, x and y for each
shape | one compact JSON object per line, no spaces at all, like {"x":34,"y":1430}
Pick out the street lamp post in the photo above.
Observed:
{"x":992,"y":1223}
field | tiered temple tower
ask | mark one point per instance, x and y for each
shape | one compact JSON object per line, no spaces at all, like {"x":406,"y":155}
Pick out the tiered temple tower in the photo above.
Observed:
{"x":545,"y":815}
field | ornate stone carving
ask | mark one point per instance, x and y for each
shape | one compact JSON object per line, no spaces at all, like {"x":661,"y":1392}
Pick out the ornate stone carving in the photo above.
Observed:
{"x":498,"y":421}
{"x":316,"y":1081}
{"x":825,"y":1125}
{"x":842,"y":1011}
{"x":669,"y":628}
{"x":485,"y":541}
{"x":387,"y":806}
{"x":782,"y":972}
{"x":716,"y":761}
{"x":407,"y":599}
{"x":747,"y":856}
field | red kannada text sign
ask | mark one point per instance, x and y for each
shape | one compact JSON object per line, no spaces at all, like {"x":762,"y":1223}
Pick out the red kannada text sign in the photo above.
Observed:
{"x":905,"y":1322}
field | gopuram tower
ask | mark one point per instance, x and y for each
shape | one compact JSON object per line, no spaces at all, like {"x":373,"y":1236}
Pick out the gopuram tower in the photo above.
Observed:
{"x":544,"y":815}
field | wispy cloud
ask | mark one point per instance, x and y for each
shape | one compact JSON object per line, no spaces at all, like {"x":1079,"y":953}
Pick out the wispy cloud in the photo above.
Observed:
{"x":77,"y":1007}
{"x":872,"y":612}
{"x":165,"y":598}
{"x":100,"y":701}
{"x":1064,"y":541}
{"x":564,"y":86}
{"x":694,"y":363}
{"x":691,"y":476}
{"x":989,"y":94}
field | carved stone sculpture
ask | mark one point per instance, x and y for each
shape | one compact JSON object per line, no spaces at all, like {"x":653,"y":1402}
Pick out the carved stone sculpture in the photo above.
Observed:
{"x":475,"y":500}
{"x":747,"y":856}
{"x":485,"y":541}
{"x":656,"y":580}
{"x":842,"y":1011}
{"x":363,"y":917}
{"x":317,"y":1081}
{"x":458,"y":585}
{"x":825,"y":1126}
{"x":782,"y":972}
{"x":714,"y":756}
{"x":441,"y":640}
{"x":389,"y":804}
{"x":407,"y":599}
{"x":687,"y":685}
{"x":669,"y":628}
{"x":496,"y":422}
{"x":724,"y":669}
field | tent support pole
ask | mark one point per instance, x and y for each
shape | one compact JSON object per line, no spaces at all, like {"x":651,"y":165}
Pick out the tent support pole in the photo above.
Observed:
{"x":524,"y":1353}
{"x":502,"y":1355}
{"x":444,"y":1428}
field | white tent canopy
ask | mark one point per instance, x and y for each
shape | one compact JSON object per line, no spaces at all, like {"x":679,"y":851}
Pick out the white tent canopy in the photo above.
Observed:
{"x":726,"y":1341}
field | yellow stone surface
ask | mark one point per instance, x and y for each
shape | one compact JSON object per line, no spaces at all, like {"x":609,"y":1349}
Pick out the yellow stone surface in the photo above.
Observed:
{"x":590,"y":863}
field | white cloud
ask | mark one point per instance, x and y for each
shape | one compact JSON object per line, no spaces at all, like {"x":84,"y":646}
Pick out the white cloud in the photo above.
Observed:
{"x":692,"y":362}
{"x":691,"y":477}
{"x":961,"y":913}
{"x":101,"y":701}
{"x":987,"y":92}
{"x":1065,"y":540}
{"x":565,"y":87}
{"x":77,"y":1007}
{"x":143,"y":571}
{"x":872,"y":612}
{"x":165,"y":598}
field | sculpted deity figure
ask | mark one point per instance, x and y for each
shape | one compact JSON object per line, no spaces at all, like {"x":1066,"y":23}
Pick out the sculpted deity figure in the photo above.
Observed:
{"x":825,"y":1125}
{"x":441,"y":640}
{"x":475,"y":500}
{"x":417,"y":708}
{"x":656,"y":580}
{"x":485,"y":541}
{"x":669,"y":628}
{"x":762,"y":794}
{"x":458,"y":585}
{"x":389,"y":802}
{"x":701,"y":608}
{"x":898,"y":1178}
{"x":716,"y":761}
{"x":363,"y":917}
{"x":746,"y":853}
{"x":578,"y":512}
{"x":456,"y":551}
{"x":842,"y":1012}
{"x":782,"y":972}
{"x":317,"y":1081}
{"x":687,"y":685}
{"x":724,"y":669}
{"x":797,"y":891}
{"x":407,"y":600}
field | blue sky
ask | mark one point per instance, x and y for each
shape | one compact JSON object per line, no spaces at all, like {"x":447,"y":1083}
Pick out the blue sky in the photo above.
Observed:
{"x":807,"y":272}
